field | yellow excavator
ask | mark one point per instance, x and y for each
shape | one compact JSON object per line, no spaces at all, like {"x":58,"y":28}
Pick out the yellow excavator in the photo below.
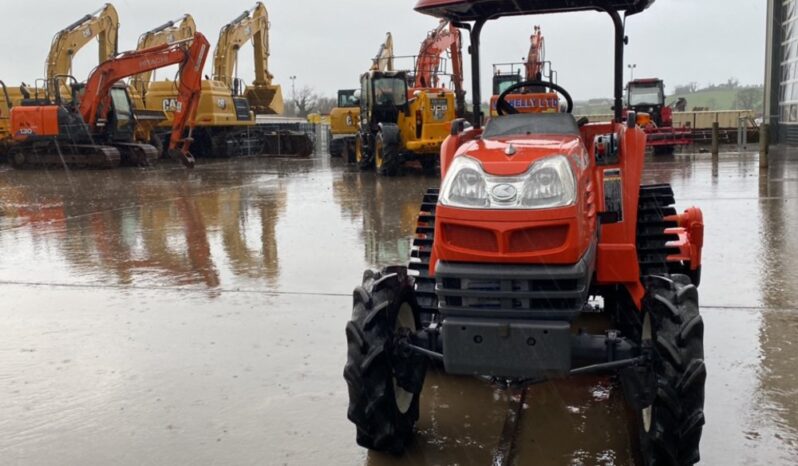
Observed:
{"x":264,"y":97}
{"x":102,"y":24}
{"x":226,"y":118}
{"x":344,"y":118}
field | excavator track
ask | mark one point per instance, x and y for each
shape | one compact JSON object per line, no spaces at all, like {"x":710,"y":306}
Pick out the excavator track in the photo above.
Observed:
{"x":253,"y":142}
{"x":137,"y":154}
{"x":59,"y":155}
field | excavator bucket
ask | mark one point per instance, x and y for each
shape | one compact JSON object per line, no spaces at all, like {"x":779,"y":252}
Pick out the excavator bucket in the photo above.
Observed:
{"x":265,"y":99}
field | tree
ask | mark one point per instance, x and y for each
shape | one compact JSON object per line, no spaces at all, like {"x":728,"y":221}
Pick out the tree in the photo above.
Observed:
{"x":749,"y":98}
{"x":305,"y":101}
{"x":325,"y":104}
{"x":733,"y":83}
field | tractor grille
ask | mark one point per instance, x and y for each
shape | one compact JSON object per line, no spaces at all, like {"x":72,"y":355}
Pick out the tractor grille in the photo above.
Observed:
{"x":513,"y":291}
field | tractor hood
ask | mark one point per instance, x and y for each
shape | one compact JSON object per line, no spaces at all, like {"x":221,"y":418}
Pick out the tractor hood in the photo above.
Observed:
{"x":512,"y":155}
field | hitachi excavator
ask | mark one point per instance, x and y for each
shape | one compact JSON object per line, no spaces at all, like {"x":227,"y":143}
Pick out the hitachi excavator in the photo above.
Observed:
{"x":399,"y":122}
{"x":102,"y":24}
{"x":531,"y":99}
{"x":226,"y":123}
{"x":180,"y":29}
{"x":96,"y":126}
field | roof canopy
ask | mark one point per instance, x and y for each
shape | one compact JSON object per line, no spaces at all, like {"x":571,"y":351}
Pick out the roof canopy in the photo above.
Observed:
{"x":471,"y":10}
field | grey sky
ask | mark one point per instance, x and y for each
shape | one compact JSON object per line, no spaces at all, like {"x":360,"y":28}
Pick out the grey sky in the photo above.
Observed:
{"x":328,"y":43}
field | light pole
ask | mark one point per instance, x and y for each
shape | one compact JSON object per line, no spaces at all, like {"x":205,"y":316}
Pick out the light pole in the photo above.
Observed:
{"x":632,"y":70}
{"x":293,"y":92}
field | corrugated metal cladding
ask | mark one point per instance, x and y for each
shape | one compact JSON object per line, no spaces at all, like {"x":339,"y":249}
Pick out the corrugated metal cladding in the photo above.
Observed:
{"x":788,"y":77}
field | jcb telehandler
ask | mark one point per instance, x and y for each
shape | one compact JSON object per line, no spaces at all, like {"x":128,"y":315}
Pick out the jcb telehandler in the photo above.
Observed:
{"x":537,"y":217}
{"x":398,"y":128}
{"x":96,"y":127}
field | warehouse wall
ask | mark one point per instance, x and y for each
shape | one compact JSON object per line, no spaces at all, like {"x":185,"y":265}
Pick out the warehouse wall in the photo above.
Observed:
{"x":782,"y":72}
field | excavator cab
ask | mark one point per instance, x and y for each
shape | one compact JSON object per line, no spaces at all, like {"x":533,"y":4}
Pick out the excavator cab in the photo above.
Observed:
{"x":504,"y":79}
{"x":121,"y":122}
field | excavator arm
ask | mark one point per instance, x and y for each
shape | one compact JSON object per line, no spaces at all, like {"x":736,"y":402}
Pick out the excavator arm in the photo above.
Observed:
{"x":445,"y":37}
{"x":172,"y":31}
{"x":384,"y":59}
{"x":537,"y":56}
{"x":95,"y":102}
{"x":102,"y":24}
{"x":252,"y":25}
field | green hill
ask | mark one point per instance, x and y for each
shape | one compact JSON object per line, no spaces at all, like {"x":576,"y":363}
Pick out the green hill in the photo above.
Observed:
{"x":718,"y":99}
{"x":713,"y":99}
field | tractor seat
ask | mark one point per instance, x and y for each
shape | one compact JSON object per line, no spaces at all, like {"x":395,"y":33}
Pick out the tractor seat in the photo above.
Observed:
{"x":525,"y":124}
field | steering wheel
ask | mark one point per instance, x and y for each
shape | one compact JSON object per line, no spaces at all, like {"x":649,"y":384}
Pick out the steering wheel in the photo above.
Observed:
{"x":504,"y":108}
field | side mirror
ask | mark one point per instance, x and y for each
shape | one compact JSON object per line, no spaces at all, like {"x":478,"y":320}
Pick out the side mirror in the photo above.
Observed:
{"x":605,"y":149}
{"x":458,"y":126}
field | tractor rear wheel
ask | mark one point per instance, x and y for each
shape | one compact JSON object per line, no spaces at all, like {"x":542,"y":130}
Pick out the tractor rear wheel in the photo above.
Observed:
{"x":362,"y":158}
{"x":386,"y":156}
{"x":670,"y":427}
{"x":384,"y":380}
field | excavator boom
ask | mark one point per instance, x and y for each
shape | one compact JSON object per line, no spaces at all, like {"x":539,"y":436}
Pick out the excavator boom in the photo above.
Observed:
{"x":96,"y":99}
{"x":384,"y":59}
{"x":446,"y":37}
{"x":170,"y":32}
{"x":537,"y":56}
{"x":102,"y":24}
{"x":252,"y":25}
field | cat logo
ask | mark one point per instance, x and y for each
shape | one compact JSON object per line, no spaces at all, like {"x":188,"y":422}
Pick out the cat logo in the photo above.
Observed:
{"x":349,"y":120}
{"x":221,"y":103}
{"x":172,"y":105}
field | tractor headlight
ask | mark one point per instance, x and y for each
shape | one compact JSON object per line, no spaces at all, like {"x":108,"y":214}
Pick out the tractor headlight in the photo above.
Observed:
{"x":548,"y":183}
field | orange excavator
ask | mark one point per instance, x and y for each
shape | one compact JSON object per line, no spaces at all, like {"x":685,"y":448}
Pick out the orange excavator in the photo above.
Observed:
{"x":96,"y":127}
{"x":444,"y":38}
{"x":533,"y":99}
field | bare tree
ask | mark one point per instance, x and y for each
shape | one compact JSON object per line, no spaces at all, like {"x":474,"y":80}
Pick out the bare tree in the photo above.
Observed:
{"x":305,"y":101}
{"x":325,"y":104}
{"x":749,"y":98}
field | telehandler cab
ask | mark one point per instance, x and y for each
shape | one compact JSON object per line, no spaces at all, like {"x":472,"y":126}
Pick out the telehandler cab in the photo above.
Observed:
{"x":539,"y":223}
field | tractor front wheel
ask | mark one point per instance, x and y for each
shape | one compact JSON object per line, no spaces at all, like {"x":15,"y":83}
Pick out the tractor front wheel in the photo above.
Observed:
{"x":384,"y":379}
{"x":362,"y":158}
{"x":386,"y":156}
{"x":670,"y":427}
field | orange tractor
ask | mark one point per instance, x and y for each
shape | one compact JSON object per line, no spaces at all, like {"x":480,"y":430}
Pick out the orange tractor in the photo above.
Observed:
{"x":540,"y":225}
{"x":96,"y":127}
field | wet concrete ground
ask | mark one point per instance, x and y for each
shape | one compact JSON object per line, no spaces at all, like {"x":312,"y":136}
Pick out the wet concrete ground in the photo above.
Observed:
{"x":162,"y":316}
